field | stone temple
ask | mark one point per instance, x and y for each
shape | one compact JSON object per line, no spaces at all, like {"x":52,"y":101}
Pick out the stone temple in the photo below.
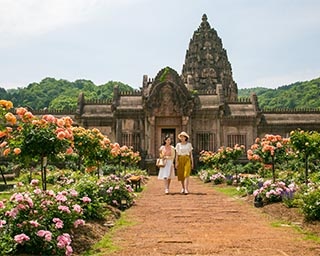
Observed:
{"x":202,"y":101}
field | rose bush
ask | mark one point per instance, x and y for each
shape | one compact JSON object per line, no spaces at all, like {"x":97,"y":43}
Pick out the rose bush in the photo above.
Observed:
{"x":306,"y":145}
{"x":38,"y":221}
{"x":270,"y":149}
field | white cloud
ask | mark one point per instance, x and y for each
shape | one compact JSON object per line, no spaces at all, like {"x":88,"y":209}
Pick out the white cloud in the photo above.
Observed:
{"x":128,"y":38}
{"x":22,"y":19}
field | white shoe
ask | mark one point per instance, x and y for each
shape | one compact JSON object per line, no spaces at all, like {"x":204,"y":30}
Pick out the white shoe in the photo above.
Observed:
{"x":166,"y":191}
{"x":186,"y":192}
{"x":182,"y":191}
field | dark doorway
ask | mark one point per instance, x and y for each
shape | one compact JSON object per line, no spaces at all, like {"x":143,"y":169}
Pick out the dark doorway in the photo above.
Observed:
{"x":171,"y":133}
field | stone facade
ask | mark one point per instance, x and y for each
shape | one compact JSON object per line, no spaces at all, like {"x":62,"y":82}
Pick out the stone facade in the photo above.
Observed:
{"x":203,"y":101}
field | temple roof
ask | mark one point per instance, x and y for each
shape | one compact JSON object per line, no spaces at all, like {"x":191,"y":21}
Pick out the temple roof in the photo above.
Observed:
{"x":206,"y":62}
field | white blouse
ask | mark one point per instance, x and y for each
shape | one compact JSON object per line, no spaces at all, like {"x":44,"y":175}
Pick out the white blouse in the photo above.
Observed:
{"x":184,"y":149}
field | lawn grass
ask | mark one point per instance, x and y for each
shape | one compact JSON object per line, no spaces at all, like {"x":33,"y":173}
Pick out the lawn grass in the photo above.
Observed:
{"x":105,"y":245}
{"x":227,"y":190}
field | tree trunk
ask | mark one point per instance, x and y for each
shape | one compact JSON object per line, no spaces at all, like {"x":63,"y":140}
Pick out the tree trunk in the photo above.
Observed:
{"x":273,"y":170}
{"x":306,"y":170}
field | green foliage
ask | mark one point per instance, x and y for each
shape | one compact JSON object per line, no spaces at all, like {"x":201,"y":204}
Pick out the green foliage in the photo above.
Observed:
{"x":63,"y":102}
{"x":116,"y":192}
{"x":37,"y":141}
{"x":91,"y":145}
{"x":59,"y":94}
{"x":7,"y":244}
{"x":252,"y":167}
{"x":86,"y":186}
{"x":164,"y":74}
{"x":36,"y":219}
{"x":62,"y":94}
{"x":228,"y":190}
{"x":299,"y":95}
{"x":223,"y":156}
{"x":246,"y":92}
{"x":311,"y":204}
{"x":306,"y":144}
{"x":249,"y":184}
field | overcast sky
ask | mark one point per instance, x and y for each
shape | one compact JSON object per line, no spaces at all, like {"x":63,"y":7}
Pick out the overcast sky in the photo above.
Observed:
{"x":269,"y":43}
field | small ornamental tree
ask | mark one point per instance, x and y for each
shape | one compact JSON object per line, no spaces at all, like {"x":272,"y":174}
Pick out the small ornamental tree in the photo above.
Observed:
{"x":123,"y":156}
{"x":270,"y":149}
{"x":7,"y":120}
{"x":305,"y":144}
{"x":39,"y":138}
{"x":128,"y":156}
{"x":92,"y":147}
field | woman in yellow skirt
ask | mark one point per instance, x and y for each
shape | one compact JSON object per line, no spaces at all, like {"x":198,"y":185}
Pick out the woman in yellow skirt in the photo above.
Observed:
{"x":184,"y":161}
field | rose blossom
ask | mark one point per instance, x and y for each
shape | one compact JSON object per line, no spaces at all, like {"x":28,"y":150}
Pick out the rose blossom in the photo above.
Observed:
{"x":46,"y":234}
{"x":86,"y":199}
{"x":2,"y":222}
{"x":34,"y":223}
{"x":21,"y":238}
{"x":34,"y":182}
{"x":64,"y":240}
{"x":77,"y":208}
{"x":64,"y":208}
{"x":58,"y":223}
{"x":79,"y":222}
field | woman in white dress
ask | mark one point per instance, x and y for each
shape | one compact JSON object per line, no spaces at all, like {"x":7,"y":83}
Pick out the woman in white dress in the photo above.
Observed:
{"x":166,"y":173}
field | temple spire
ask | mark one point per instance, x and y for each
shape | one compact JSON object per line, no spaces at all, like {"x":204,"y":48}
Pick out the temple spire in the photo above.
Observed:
{"x":204,"y":17}
{"x":206,"y":62}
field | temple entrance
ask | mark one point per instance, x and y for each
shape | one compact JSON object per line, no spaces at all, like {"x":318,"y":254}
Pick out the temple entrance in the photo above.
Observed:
{"x":171,"y":132}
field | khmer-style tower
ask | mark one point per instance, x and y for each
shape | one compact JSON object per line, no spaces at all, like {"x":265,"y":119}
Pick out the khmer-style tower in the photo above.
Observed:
{"x":206,"y":63}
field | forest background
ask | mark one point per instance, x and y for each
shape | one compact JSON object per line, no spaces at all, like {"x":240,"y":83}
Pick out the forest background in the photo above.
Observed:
{"x":63,"y":95}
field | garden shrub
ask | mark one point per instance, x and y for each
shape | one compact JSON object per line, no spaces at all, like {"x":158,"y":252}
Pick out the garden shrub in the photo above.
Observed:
{"x":251,"y":167}
{"x":205,"y":174}
{"x":86,"y":186}
{"x":249,"y":185}
{"x":109,"y":169}
{"x":116,"y":192}
{"x":218,"y":178}
{"x":311,"y":204}
{"x":37,"y":222}
{"x":275,"y":192}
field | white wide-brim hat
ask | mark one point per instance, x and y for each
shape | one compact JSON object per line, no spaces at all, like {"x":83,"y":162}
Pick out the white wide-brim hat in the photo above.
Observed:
{"x":183,"y":134}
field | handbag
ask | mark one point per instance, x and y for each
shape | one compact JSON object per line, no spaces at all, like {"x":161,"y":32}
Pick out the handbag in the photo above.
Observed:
{"x":161,"y":162}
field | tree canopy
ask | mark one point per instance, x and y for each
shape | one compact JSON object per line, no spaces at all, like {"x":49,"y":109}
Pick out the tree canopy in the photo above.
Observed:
{"x":59,"y":94}
{"x":299,"y":95}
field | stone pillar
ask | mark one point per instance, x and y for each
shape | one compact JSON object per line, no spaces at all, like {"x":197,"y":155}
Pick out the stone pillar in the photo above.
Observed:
{"x":149,"y":142}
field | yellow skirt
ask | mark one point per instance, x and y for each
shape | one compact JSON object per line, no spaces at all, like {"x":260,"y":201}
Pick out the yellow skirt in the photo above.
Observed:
{"x":184,"y":167}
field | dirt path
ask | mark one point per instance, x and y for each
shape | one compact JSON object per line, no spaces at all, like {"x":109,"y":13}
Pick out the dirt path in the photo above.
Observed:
{"x":204,"y":222}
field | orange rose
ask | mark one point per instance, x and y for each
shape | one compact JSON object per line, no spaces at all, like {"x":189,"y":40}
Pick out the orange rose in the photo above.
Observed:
{"x":10,"y":118}
{"x":6,"y":151}
{"x":17,"y":151}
